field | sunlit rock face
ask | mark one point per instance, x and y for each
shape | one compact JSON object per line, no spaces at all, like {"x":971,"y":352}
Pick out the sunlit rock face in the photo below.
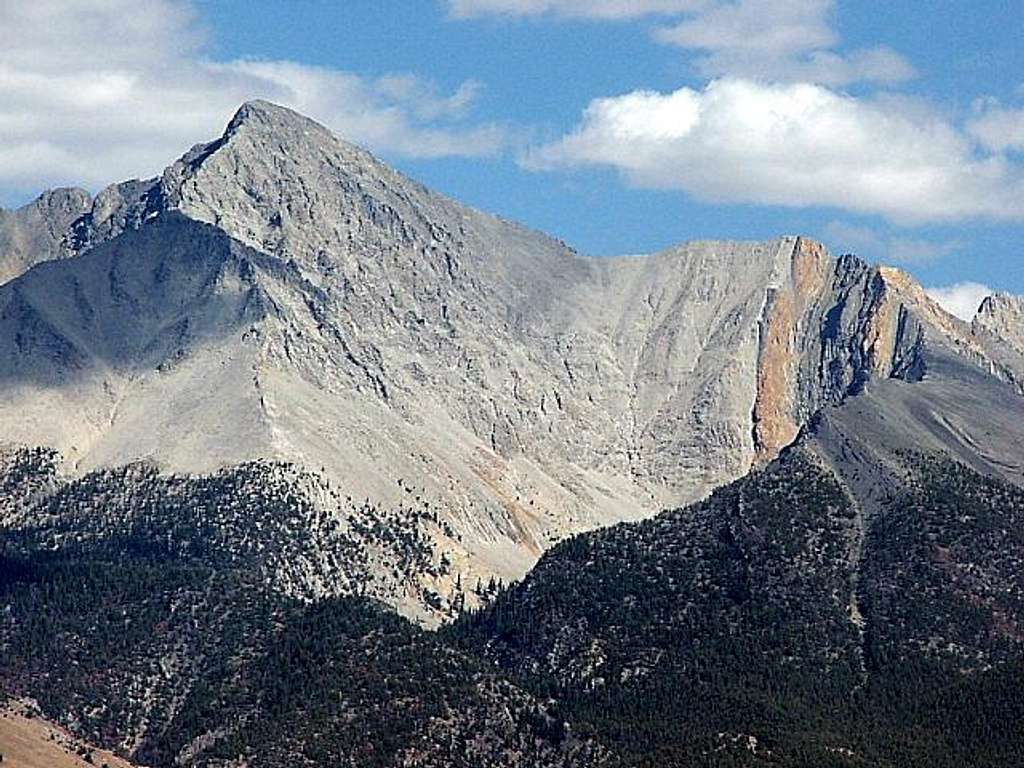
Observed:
{"x":280,"y":295}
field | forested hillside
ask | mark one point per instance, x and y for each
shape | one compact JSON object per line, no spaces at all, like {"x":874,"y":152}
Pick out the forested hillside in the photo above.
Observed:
{"x":180,"y":663}
{"x":777,"y":623}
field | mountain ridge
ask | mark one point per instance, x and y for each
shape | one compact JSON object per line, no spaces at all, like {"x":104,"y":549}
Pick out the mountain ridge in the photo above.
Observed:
{"x":731,"y":504}
{"x":36,"y":232}
{"x":280,"y":294}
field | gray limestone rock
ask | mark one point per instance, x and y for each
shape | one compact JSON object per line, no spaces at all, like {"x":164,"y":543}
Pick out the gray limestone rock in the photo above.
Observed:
{"x":281,"y":294}
{"x":36,"y":232}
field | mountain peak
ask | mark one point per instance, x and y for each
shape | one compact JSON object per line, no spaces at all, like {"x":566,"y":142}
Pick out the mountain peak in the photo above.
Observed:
{"x":1002,"y":315}
{"x":34,"y":232}
{"x":265,"y":116}
{"x":72,"y":199}
{"x":264,"y":107}
{"x":275,"y":177}
{"x":1000,"y":302}
{"x":243,"y":182}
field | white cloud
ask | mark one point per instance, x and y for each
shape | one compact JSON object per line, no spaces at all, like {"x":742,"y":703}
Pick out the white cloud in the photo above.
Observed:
{"x":780,"y":40}
{"x":424,"y":99}
{"x":961,"y":299}
{"x":588,"y":9}
{"x":869,"y":244}
{"x":999,"y":128}
{"x":738,"y":141}
{"x":770,"y":28}
{"x":913,"y":250}
{"x":771,"y":40}
{"x":94,"y":91}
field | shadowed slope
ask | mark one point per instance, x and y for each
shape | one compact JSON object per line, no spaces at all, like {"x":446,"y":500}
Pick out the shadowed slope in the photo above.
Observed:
{"x":777,"y":622}
{"x":280,"y":294}
{"x":37,"y":232}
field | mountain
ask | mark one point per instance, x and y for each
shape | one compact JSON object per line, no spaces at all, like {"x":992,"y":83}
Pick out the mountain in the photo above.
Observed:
{"x":280,"y":295}
{"x":36,"y":232}
{"x":279,"y":425}
{"x":784,"y":621}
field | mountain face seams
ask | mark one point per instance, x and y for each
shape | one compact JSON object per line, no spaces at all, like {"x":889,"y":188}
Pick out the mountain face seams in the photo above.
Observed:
{"x":266,"y":400}
{"x":36,"y":232}
{"x":281,"y":295}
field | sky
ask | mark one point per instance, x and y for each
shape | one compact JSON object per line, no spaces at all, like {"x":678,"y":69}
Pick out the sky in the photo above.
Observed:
{"x":894,"y":131}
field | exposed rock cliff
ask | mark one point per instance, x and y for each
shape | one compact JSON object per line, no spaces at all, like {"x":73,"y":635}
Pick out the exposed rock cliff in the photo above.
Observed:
{"x":1003,"y":316}
{"x":36,"y":232}
{"x":1000,"y":323}
{"x":280,"y":294}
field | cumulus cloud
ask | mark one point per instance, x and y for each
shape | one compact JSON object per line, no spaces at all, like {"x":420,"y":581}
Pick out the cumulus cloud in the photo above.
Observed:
{"x":588,"y":9}
{"x":94,"y":91}
{"x":961,"y":299}
{"x":739,"y":141}
{"x":999,"y":128}
{"x":869,"y":244}
{"x":780,"y":40}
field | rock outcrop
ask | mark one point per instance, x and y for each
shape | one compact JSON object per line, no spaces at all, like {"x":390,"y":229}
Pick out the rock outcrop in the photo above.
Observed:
{"x":36,"y":232}
{"x":280,"y":294}
{"x":1000,"y":321}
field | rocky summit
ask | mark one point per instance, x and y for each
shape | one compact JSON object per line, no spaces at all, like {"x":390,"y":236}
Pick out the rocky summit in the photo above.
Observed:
{"x":304,"y":464}
{"x":279,"y":295}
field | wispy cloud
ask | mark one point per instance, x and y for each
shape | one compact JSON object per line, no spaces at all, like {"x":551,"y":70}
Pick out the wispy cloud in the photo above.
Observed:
{"x":869,"y":244}
{"x":780,"y":40}
{"x":961,"y":299}
{"x":915,"y":251}
{"x":93,"y":91}
{"x":772,"y":40}
{"x":584,"y":9}
{"x":800,"y":145}
{"x":999,"y":128}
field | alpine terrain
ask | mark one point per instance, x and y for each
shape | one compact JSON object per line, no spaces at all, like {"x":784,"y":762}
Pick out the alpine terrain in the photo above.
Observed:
{"x":304,"y":464}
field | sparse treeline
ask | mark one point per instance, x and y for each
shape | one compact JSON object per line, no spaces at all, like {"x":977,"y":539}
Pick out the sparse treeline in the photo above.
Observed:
{"x":779,"y":622}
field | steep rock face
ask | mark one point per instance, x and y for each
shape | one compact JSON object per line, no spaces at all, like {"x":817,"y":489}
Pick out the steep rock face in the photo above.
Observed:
{"x":1003,"y":316}
{"x":281,"y":294}
{"x":36,"y":232}
{"x":1000,"y":323}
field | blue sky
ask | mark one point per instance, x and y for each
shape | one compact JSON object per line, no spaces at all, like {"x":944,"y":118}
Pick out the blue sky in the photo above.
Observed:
{"x":622,"y":126}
